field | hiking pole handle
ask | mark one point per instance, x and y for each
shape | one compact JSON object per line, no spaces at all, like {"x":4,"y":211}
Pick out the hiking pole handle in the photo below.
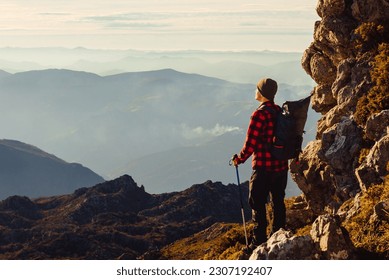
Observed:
{"x":231,"y":162}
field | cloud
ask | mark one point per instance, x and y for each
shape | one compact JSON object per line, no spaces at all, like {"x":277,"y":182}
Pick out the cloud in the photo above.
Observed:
{"x":207,"y":20}
{"x":131,"y":20}
{"x":202,"y":133}
{"x":55,"y":14}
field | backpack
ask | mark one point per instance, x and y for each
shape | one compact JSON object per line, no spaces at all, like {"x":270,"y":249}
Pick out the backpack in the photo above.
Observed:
{"x":289,"y":128}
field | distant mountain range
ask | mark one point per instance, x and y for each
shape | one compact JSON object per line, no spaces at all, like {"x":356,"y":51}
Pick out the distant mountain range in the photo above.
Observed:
{"x":166,"y":128}
{"x":27,"y":170}
{"x":234,"y":66}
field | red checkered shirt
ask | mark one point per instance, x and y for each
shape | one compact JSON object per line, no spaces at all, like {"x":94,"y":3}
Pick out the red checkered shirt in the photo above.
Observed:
{"x":258,"y":139}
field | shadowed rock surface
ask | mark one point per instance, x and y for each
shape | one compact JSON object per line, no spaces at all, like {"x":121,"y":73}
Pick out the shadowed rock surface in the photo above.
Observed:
{"x":112,"y":220}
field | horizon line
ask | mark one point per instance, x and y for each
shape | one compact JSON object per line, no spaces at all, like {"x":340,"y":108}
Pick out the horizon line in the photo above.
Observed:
{"x":154,"y":50}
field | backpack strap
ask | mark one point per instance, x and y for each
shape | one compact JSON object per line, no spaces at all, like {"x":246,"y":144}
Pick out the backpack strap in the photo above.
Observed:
{"x":269,"y":109}
{"x":273,"y":113}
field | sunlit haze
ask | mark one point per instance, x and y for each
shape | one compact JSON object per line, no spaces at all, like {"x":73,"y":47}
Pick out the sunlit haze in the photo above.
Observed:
{"x":159,"y":24}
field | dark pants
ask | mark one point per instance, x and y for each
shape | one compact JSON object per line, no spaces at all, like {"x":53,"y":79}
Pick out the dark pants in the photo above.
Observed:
{"x":262,"y":183}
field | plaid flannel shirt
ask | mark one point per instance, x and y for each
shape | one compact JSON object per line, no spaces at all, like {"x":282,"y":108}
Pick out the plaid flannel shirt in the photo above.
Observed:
{"x":258,"y":139}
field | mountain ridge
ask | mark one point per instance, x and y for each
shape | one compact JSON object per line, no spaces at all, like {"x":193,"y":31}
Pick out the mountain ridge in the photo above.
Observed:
{"x":113,"y":220}
{"x":106,"y":62}
{"x":17,"y":145}
{"x":27,"y":170}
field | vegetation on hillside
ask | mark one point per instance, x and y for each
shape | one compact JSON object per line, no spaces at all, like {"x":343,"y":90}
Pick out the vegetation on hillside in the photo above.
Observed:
{"x":367,"y":234}
{"x":222,"y":241}
{"x":219,"y":242}
{"x":373,"y":39}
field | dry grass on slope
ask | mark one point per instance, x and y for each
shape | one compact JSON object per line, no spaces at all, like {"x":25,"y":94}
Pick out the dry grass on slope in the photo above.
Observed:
{"x":370,"y":235}
{"x":219,"y":242}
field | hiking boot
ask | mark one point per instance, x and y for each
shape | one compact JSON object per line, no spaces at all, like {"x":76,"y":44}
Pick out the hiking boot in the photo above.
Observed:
{"x":248,"y":250}
{"x":252,"y":246}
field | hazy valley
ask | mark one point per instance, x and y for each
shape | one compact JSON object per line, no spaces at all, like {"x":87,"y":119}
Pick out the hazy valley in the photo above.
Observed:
{"x":167,"y":129}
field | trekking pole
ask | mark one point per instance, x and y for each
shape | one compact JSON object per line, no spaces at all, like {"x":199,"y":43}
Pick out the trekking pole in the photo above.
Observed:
{"x":241,"y":203}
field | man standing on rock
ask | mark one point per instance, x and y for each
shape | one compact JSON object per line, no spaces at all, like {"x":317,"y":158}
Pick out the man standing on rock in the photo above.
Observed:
{"x":269,"y":174}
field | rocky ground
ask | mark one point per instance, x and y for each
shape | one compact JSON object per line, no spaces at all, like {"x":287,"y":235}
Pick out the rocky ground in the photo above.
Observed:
{"x":113,"y":220}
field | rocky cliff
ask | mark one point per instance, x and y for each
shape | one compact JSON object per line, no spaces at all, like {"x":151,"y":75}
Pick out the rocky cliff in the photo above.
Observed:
{"x":348,"y":61}
{"x":344,"y":173}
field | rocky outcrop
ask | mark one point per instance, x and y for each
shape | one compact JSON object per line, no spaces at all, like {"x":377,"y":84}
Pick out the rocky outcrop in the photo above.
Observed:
{"x":374,"y":168}
{"x":330,"y":168}
{"x":351,"y":152}
{"x":327,"y":240}
{"x":113,"y":220}
{"x":282,"y":245}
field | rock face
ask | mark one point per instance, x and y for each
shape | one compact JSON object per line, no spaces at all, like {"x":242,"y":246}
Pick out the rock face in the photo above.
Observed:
{"x":330,"y":169}
{"x":348,"y":61}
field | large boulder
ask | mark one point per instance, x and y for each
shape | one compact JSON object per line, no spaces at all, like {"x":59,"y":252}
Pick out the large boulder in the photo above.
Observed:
{"x":284,"y":246}
{"x":375,"y":167}
{"x":327,"y":240}
{"x":330,"y":239}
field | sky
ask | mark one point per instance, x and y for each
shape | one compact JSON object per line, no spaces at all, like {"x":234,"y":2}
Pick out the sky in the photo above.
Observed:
{"x":280,"y":25}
